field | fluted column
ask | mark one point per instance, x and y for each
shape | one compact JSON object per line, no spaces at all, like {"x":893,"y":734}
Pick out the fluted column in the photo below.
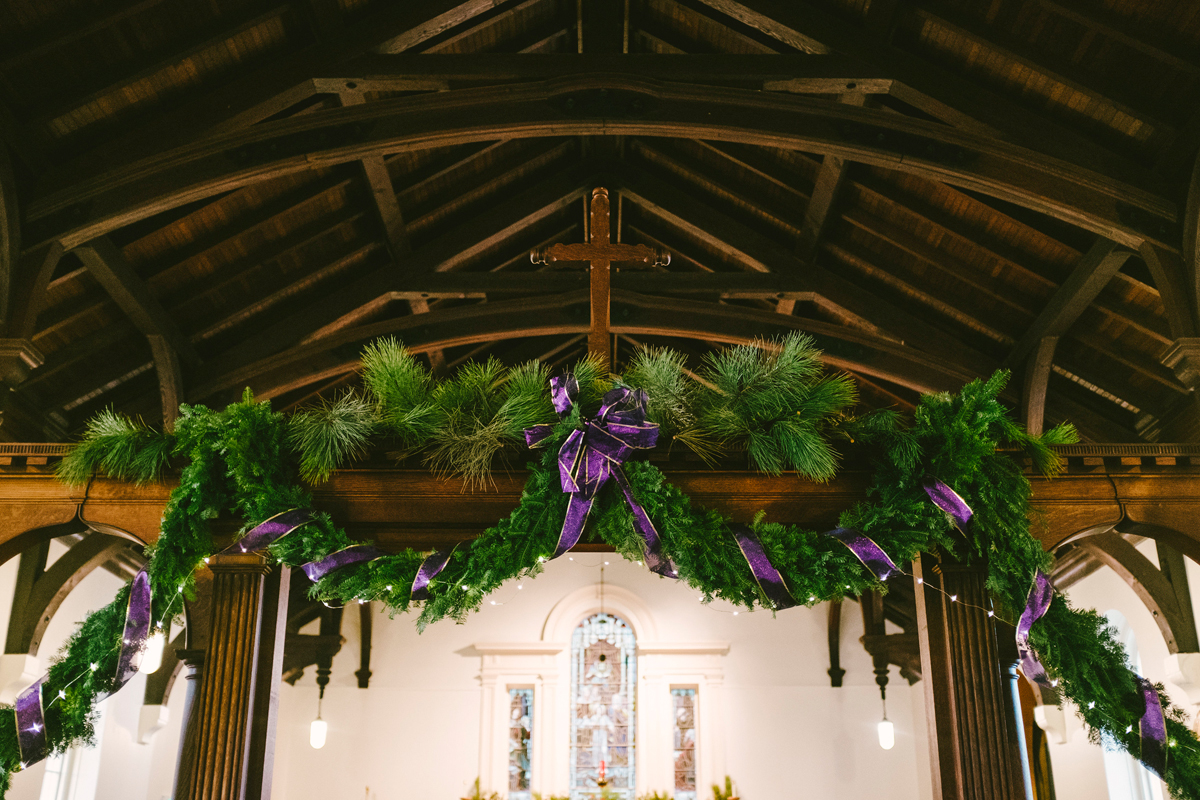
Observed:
{"x":231,"y":735}
{"x":967,"y":699}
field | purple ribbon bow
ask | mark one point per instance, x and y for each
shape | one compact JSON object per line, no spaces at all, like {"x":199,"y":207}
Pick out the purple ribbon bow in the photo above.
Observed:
{"x":592,"y":455}
{"x":1037,"y":604}
{"x":1153,"y":729}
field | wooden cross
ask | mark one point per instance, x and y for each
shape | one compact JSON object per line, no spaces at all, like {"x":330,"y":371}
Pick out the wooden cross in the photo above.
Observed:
{"x":599,"y":253}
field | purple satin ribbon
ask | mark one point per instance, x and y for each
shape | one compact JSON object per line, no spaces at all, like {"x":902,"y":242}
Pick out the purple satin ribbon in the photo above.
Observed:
{"x":354,"y":554}
{"x":31,"y":724}
{"x":769,"y":579}
{"x":948,"y":500}
{"x":430,"y":568}
{"x":589,"y":457}
{"x":271,"y":530}
{"x":869,"y":553}
{"x":137,"y":629}
{"x":1153,"y":729}
{"x":1036,"y":606}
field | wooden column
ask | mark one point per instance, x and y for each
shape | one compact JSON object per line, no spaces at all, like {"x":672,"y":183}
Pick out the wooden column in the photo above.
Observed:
{"x":967,"y":700}
{"x":231,"y":736}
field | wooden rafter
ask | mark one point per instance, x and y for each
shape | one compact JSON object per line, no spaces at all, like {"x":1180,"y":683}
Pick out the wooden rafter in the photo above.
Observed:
{"x":1089,"y":277}
{"x":107,"y":264}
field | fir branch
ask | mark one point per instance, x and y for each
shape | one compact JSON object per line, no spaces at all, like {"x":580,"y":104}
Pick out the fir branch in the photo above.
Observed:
{"x":401,"y":387}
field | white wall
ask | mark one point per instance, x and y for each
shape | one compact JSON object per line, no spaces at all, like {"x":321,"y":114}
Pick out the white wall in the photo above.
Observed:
{"x":786,"y":732}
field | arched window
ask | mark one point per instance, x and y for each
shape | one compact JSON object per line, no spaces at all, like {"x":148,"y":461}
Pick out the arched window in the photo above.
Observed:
{"x":603,"y":708}
{"x":1127,"y":778}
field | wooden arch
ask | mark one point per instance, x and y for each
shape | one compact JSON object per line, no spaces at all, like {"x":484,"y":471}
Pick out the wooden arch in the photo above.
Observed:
{"x":598,"y":104}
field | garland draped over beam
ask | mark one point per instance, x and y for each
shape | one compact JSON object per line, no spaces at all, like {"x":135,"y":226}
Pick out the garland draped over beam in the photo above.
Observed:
{"x":769,"y":401}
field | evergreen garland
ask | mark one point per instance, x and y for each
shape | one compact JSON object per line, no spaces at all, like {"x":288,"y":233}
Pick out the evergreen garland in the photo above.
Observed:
{"x":768,"y":400}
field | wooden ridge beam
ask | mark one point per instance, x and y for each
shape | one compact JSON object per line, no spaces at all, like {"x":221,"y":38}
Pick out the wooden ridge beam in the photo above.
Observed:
{"x":108,"y":266}
{"x":1088,"y":278}
{"x":606,"y":105}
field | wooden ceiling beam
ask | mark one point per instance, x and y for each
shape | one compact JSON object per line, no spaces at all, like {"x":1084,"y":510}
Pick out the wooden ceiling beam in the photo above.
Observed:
{"x":805,"y":74}
{"x":59,"y":33}
{"x":276,"y":86}
{"x":563,"y":108}
{"x":108,"y":266}
{"x":997,"y":41}
{"x":634,"y":315}
{"x":1122,"y":29}
{"x":122,"y":79}
{"x":448,"y":252}
{"x":941,"y":93}
{"x":765,"y":255}
{"x":824,"y":194}
{"x":1089,"y":277}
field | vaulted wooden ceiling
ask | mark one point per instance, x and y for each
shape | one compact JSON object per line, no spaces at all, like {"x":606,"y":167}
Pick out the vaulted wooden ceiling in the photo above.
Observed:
{"x":202,"y":196}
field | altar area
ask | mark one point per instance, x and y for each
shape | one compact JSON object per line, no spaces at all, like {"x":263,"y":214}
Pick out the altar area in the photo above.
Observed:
{"x":439,"y":709}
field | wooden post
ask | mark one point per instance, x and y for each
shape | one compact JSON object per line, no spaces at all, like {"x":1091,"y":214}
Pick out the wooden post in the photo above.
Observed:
{"x":231,"y":735}
{"x":967,"y":700}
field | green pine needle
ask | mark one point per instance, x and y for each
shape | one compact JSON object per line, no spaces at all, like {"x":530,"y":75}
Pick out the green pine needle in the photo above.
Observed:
{"x":332,"y":434}
{"x":118,"y":447}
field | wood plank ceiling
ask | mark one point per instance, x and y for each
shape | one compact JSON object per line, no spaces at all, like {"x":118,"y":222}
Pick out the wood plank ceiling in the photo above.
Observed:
{"x":198,"y":197}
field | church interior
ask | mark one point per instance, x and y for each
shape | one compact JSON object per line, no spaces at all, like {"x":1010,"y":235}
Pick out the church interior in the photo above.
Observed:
{"x":220,"y":203}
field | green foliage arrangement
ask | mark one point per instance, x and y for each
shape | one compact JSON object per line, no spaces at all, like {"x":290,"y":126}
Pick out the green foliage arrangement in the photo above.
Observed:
{"x":769,"y":401}
{"x":726,"y":793}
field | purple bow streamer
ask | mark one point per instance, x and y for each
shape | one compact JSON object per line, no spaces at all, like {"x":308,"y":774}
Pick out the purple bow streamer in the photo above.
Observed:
{"x":948,"y":500}
{"x":137,"y":629}
{"x":354,"y":554}
{"x":31,"y":724}
{"x":430,"y":568}
{"x":269,"y":531}
{"x":1153,"y":729}
{"x":592,"y":455}
{"x":869,"y":553}
{"x":769,"y":579}
{"x":1036,"y":605}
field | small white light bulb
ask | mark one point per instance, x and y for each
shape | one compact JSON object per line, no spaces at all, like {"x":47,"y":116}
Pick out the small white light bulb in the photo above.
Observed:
{"x":387,"y":588}
{"x":991,"y":613}
{"x":520,"y":586}
{"x":94,"y":666}
{"x":953,"y":598}
{"x":152,"y":656}
{"x":812,"y":598}
{"x":887,"y":734}
{"x":735,"y":613}
{"x":206,"y":559}
{"x":920,"y":581}
{"x":493,"y":602}
{"x":62,"y":695}
{"x":317,"y":732}
{"x":606,"y":563}
{"x":1092,"y":704}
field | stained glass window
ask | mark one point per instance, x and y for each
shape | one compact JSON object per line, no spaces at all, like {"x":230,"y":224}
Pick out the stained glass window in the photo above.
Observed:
{"x":684,"y":703}
{"x":603,"y":704}
{"x":520,"y":743}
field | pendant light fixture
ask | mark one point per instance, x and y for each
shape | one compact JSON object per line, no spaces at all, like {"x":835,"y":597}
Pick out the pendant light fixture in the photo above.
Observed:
{"x":319,"y":729}
{"x":885,"y":728}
